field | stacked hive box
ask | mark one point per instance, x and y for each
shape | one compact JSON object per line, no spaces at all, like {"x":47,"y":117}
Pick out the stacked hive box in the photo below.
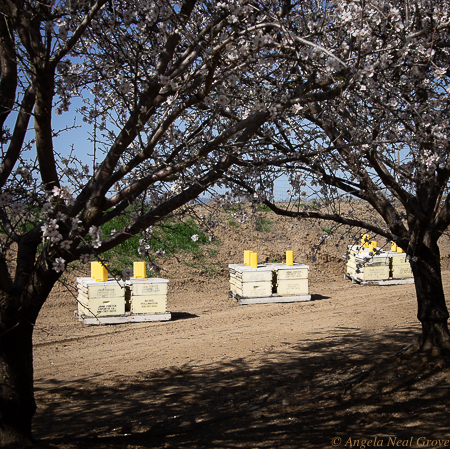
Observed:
{"x":100,"y":299}
{"x":400,"y":267}
{"x":148,"y":295}
{"x":368,"y":267}
{"x":291,"y":280}
{"x":250,"y":282}
{"x":269,"y":280}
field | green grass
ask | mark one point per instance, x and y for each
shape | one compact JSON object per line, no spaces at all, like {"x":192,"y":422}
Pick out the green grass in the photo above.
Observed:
{"x":263,"y":224}
{"x":233,"y":223}
{"x":170,"y":236}
{"x":212,"y":252}
{"x":263,"y":208}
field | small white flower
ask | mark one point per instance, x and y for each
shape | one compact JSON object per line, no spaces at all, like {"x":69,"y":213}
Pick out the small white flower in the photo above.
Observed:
{"x":259,"y":106}
{"x":273,"y":110}
{"x":5,"y":199}
{"x":65,"y":244}
{"x":46,"y":208}
{"x":160,"y":252}
{"x":59,"y":264}
{"x":85,"y":258}
{"x":127,"y":273}
{"x":194,"y":238}
{"x":95,"y":232}
{"x":76,"y":224}
{"x":17,"y":207}
{"x":55,"y":236}
{"x":222,"y":100}
{"x":208,"y":101}
{"x":56,"y":191}
{"x":164,"y":79}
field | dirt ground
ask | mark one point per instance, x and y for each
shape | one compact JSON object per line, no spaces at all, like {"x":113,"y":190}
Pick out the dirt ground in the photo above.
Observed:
{"x":335,"y":371}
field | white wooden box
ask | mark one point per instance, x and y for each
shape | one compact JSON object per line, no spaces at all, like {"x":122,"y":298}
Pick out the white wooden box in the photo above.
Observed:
{"x":398,"y":258}
{"x":94,"y":289}
{"x":292,"y":287}
{"x":377,"y":273}
{"x":246,"y":273}
{"x":149,"y":303}
{"x":402,"y":271}
{"x":296,"y":271}
{"x":368,"y":260}
{"x":254,"y":289}
{"x":102,"y":306}
{"x":148,"y":286}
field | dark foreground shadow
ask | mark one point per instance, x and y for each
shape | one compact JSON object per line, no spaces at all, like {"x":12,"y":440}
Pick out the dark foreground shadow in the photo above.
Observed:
{"x":344,"y":389}
{"x":182,"y":316}
{"x":316,"y":297}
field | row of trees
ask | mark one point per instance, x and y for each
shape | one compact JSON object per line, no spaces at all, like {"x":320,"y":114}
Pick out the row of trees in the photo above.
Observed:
{"x":350,"y":96}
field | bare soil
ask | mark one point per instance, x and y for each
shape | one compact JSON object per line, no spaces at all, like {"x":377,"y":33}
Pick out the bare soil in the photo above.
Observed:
{"x":335,"y":371}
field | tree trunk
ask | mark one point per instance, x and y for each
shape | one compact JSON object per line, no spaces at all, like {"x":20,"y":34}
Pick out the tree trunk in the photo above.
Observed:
{"x":19,"y":308}
{"x":17,"y":405}
{"x":432,"y":310}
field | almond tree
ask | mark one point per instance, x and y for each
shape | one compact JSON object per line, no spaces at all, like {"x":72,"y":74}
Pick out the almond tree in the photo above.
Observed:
{"x":173,"y":92}
{"x":384,"y":141}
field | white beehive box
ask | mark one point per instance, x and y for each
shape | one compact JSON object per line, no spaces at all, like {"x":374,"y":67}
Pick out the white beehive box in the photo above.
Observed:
{"x":102,"y":307}
{"x":253,"y":289}
{"x":365,"y":265}
{"x":244,"y":273}
{"x":400,"y":267}
{"x":250,"y":282}
{"x":100,"y":298}
{"x":368,"y":259}
{"x":291,"y":279}
{"x":290,"y":287}
{"x":94,"y":289}
{"x":149,"y":304}
{"x":377,"y":273}
{"x":148,"y":295}
{"x":148,"y":286}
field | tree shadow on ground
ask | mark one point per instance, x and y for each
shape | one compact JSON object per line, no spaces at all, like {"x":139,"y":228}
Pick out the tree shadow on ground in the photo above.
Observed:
{"x":349,"y":385}
{"x":175,"y":316}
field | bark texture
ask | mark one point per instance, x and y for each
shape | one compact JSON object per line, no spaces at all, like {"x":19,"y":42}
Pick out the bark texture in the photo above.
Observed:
{"x":432,"y":309}
{"x":17,"y":405}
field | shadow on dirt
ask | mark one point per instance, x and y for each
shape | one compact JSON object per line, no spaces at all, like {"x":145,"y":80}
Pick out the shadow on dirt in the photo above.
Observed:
{"x":349,"y":385}
{"x":182,"y":316}
{"x":316,"y":297}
